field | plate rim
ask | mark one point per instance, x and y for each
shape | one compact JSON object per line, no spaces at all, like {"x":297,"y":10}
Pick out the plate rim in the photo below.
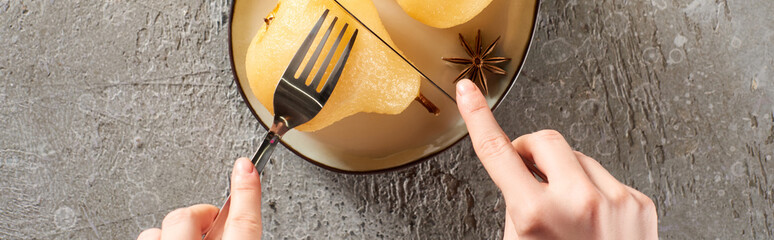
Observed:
{"x":421,"y":159}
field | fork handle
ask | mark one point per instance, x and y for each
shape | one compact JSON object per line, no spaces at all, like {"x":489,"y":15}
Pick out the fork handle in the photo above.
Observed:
{"x":277,"y":130}
{"x":264,"y":152}
{"x":260,"y":158}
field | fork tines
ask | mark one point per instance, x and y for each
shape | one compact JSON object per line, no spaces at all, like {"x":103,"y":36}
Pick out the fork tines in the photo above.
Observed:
{"x":335,"y":73}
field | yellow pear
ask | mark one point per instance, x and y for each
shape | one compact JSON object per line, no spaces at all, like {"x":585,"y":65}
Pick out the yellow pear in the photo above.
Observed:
{"x":443,"y":13}
{"x":374,"y":80}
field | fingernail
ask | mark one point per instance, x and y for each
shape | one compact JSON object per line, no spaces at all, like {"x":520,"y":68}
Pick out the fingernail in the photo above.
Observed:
{"x":465,"y":86}
{"x":244,"y":166}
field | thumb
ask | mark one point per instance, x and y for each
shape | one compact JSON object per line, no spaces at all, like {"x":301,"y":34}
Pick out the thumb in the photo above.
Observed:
{"x":492,"y":146}
{"x":244,"y":220}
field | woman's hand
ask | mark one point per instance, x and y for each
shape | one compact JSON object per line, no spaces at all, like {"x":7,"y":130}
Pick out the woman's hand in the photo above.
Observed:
{"x":581,"y":200}
{"x":244,"y":220}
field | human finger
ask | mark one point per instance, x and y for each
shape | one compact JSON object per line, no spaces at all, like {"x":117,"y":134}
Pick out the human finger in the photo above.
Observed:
{"x":492,"y":146}
{"x":648,"y":212}
{"x":553,"y":156}
{"x":613,"y":190}
{"x":244,"y":219}
{"x":150,"y":234}
{"x":643,"y":199}
{"x":188,"y":223}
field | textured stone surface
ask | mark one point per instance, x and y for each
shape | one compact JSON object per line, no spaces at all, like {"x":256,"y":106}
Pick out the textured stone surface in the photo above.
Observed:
{"x":116,"y":112}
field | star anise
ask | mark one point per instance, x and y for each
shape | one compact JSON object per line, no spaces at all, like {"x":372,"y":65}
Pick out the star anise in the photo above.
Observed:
{"x":478,"y":61}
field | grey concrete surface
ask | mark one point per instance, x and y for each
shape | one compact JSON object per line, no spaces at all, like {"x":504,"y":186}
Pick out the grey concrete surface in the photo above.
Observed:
{"x":115,"y":112}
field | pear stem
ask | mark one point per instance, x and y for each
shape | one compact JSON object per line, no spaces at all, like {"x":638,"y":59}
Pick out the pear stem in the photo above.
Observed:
{"x":431,"y":108}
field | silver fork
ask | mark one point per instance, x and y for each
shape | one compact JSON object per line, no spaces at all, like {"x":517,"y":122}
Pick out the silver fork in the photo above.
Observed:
{"x":295,"y":102}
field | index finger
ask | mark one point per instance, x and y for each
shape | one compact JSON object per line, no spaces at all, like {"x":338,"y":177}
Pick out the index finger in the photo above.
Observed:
{"x":492,"y":146}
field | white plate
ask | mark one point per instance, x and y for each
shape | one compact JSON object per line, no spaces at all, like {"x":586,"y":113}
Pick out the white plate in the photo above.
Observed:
{"x":376,"y":142}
